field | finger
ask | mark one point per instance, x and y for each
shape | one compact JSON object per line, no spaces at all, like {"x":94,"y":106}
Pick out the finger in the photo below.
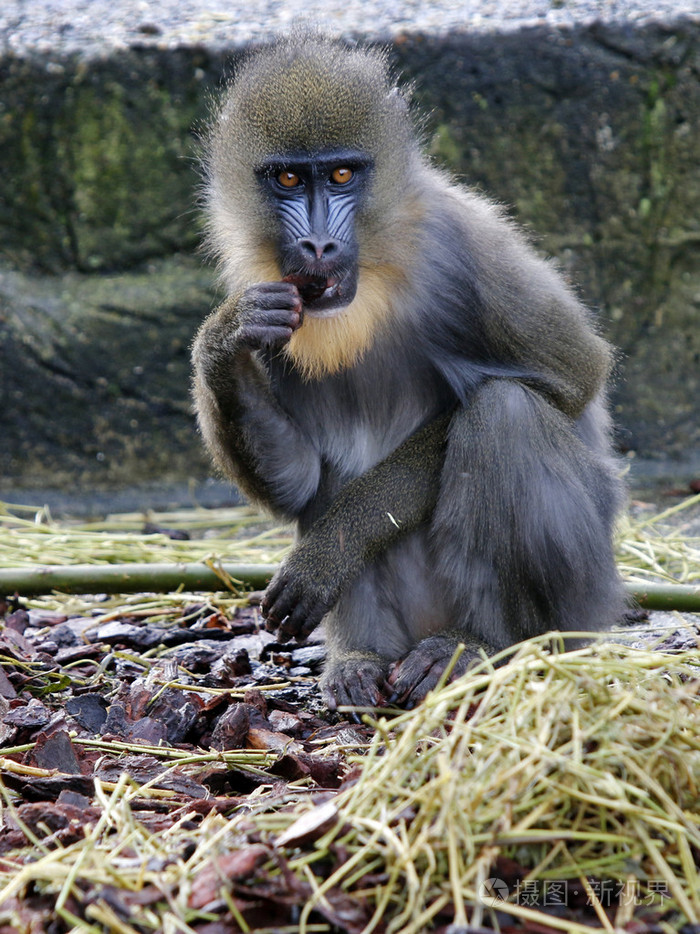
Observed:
{"x":280,"y":598}
{"x":269,"y":293}
{"x":308,"y":620}
{"x":276,"y":314}
{"x":283,"y":606}
{"x":371,"y":687}
{"x":406,"y":690}
{"x":362,"y":690}
{"x":255,"y":335}
{"x":289,"y":628}
{"x":385,"y":689}
{"x":422,"y":685}
{"x":272,"y":591}
{"x":341,"y":695}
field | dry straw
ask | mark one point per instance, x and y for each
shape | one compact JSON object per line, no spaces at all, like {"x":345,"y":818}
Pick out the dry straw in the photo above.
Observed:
{"x":29,"y":536}
{"x":579,"y":766}
{"x":659,"y":547}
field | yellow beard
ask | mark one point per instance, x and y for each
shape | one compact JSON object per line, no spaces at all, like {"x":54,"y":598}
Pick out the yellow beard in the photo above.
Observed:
{"x":323,"y":346}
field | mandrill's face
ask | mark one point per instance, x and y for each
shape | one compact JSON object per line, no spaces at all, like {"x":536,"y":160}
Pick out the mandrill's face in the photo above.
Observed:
{"x":315,"y":200}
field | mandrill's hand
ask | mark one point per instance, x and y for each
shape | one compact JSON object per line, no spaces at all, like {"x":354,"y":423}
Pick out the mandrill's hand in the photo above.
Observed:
{"x":264,"y":315}
{"x":299,"y":595}
{"x":267,"y":315}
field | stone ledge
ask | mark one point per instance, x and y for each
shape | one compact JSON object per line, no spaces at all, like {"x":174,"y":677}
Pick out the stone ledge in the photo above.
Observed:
{"x":100,"y":29}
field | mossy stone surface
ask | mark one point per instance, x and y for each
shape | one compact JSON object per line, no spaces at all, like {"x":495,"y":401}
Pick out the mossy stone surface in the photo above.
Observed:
{"x":95,"y":376}
{"x":99,"y":168}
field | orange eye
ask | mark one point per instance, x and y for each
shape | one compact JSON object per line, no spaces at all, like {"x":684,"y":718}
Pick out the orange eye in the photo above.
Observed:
{"x":341,"y":175}
{"x":288,"y":179}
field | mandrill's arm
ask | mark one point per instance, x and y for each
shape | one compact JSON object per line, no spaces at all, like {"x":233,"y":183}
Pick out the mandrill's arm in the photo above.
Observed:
{"x":368,"y":515}
{"x":238,"y":415}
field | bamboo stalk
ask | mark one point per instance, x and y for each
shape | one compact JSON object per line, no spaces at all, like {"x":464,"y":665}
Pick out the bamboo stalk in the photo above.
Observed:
{"x":163,"y":578}
{"x":131,"y":578}
{"x":665,"y":596}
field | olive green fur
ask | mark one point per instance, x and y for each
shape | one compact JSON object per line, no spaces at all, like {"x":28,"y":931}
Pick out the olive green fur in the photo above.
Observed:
{"x":298,"y":100}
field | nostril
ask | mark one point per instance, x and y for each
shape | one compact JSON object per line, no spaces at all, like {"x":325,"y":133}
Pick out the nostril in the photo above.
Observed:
{"x":318,"y":249}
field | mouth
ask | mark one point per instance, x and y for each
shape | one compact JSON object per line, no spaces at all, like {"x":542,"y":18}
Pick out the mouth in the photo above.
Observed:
{"x":323,"y":294}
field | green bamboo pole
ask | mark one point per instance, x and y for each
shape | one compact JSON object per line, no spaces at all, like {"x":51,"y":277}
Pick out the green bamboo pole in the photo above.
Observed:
{"x":128,"y":578}
{"x":163,"y":578}
{"x":665,"y":596}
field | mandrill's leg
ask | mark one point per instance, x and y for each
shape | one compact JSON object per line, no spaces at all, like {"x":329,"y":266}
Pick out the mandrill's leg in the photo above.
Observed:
{"x":522,"y":532}
{"x":364,"y":636}
{"x":422,"y":668}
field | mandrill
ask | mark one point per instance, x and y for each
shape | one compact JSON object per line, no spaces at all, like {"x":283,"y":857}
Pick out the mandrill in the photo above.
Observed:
{"x":397,"y":371}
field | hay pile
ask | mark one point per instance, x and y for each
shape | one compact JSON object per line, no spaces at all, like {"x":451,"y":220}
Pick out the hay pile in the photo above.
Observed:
{"x":582,"y":766}
{"x":663,"y":546}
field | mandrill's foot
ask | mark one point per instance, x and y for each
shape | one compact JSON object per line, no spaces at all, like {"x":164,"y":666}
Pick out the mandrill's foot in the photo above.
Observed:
{"x":422,"y":668}
{"x":359,"y":680}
